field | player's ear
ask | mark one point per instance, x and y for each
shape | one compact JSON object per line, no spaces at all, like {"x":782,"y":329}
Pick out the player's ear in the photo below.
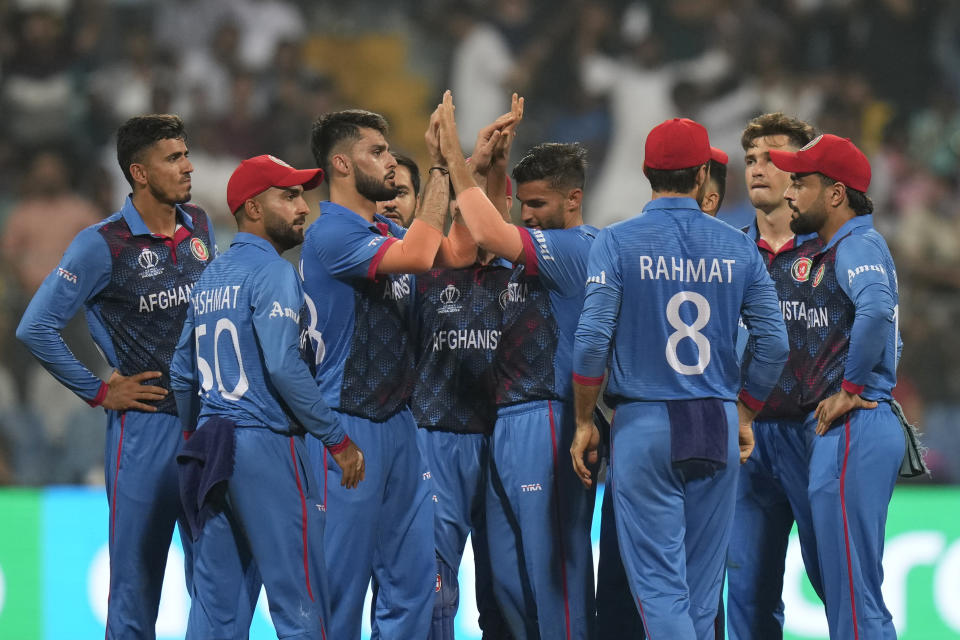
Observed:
{"x":252,"y":210}
{"x":340,"y":163}
{"x":574,"y":198}
{"x":838,"y":194}
{"x":138,"y":173}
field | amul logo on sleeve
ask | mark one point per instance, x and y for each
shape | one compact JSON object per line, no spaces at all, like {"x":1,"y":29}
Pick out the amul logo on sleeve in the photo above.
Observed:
{"x":800,"y":270}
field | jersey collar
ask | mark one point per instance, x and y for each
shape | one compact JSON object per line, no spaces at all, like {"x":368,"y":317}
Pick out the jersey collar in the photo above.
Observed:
{"x":139,"y":228}
{"x":851,"y":225}
{"x":243,"y":237}
{"x":671,"y":203}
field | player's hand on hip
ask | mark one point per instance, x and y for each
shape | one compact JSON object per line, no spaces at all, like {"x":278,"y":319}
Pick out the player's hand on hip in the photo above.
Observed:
{"x":126,"y":393}
{"x":837,"y":405}
{"x":352,"y":465}
{"x":584,"y":451}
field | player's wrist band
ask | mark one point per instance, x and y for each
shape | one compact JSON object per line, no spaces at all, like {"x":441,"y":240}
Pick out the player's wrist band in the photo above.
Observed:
{"x":337,"y":448}
{"x":442,"y":170}
{"x":101,"y":395}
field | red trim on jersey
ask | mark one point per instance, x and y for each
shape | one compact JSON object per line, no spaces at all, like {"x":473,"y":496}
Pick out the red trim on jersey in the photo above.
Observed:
{"x":787,"y":246}
{"x":101,"y":395}
{"x":378,"y":258}
{"x":587,"y":381}
{"x":324,"y":483}
{"x":531,"y":266}
{"x":559,"y":521}
{"x":849,"y":387}
{"x":337,"y":448}
{"x":303,"y":512}
{"x":751,"y":402}
{"x":643,"y":618}
{"x":846,"y":528}
{"x":113,"y":504}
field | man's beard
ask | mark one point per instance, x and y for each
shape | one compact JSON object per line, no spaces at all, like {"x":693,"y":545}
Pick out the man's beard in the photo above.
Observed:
{"x":372,"y":189}
{"x":808,"y":222}
{"x":282,"y":234}
{"x":167,"y":198}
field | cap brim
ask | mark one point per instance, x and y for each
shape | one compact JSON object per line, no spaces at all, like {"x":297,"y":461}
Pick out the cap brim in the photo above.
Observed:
{"x":790,"y":161}
{"x":718,"y":155}
{"x":308,"y":178}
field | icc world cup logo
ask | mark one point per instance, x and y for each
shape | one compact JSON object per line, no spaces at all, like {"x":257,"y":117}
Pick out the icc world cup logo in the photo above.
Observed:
{"x":148,"y":259}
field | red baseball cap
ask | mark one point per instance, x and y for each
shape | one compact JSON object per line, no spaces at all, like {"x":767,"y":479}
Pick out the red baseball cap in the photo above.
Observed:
{"x":256,"y":175}
{"x":833,"y":156}
{"x":680,"y":143}
{"x":718,"y":155}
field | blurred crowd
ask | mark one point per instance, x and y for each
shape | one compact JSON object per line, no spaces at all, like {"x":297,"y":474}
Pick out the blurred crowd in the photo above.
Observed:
{"x":249,"y":77}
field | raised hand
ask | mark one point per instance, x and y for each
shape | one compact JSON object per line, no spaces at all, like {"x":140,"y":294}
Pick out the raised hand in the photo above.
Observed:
{"x":449,"y":141}
{"x":432,"y":138}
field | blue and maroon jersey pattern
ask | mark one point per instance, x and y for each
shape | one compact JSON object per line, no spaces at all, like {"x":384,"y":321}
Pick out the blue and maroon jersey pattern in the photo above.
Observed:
{"x":457,"y":315}
{"x":357,"y":333}
{"x":541,"y":309}
{"x":852,"y":336}
{"x":135,"y":287}
{"x":790,"y":269}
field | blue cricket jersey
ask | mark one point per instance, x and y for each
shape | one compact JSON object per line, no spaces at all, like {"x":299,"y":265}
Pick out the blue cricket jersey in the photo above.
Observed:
{"x":541,"y":309}
{"x":135,"y":287}
{"x":667,"y":288}
{"x":852,"y":318}
{"x":789,"y":267}
{"x":457,"y":324}
{"x":358,"y":328}
{"x":240,"y":347}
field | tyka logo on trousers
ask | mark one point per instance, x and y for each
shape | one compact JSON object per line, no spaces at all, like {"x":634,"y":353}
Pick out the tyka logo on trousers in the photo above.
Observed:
{"x":535,"y":486}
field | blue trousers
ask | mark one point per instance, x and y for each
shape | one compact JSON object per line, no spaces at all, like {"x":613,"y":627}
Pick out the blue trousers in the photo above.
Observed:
{"x":458,"y":465}
{"x":538,"y":523}
{"x":853,"y":469}
{"x":140,"y":469}
{"x":672,"y":532}
{"x":268,"y":528}
{"x":381,"y":529}
{"x":771,"y":496}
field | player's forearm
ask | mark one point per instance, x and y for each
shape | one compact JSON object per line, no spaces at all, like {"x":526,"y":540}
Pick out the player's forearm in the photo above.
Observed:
{"x":436,"y":200}
{"x":594,"y":334}
{"x":497,"y":190}
{"x":764,"y":320}
{"x":585,"y":397}
{"x":458,"y":249}
{"x":300,"y":392}
{"x":487,"y":226}
{"x":48,"y":347}
{"x":869,"y":336}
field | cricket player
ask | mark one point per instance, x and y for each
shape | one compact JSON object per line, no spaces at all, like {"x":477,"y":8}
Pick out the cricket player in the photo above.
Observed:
{"x":617,"y":615}
{"x":852,"y":351}
{"x":355,"y":268}
{"x":538,"y":517}
{"x":238,"y":372}
{"x":772,"y":488}
{"x":133,"y":274}
{"x":665,"y":291}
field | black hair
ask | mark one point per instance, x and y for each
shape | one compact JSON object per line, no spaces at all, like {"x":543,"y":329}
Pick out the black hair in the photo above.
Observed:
{"x":411,"y":165}
{"x":330,"y":129}
{"x":798,"y":132}
{"x":139,"y":133}
{"x":718,"y":174}
{"x":562,"y":165}
{"x":860,"y":202}
{"x":672,"y":180}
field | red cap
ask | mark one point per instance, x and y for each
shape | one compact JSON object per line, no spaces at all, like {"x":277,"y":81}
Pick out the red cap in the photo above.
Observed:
{"x":717,"y":155}
{"x":680,"y":143}
{"x":256,"y":175}
{"x":833,"y":156}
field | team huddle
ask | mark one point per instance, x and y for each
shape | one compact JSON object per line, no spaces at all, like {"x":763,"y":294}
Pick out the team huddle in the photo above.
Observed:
{"x":423,"y":376}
